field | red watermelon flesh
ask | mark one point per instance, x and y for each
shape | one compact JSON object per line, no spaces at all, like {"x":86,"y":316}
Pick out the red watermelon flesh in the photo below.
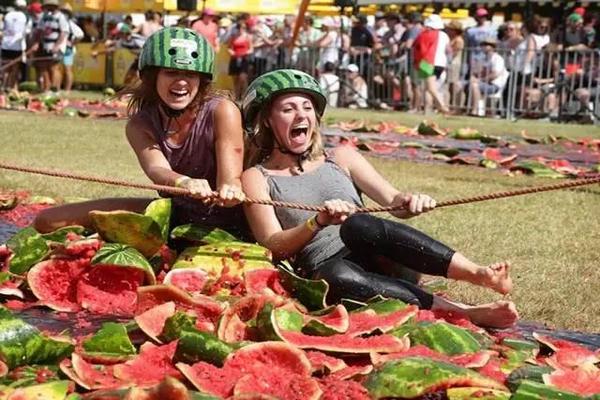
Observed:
{"x":234,"y":330}
{"x":210,"y":379}
{"x":152,"y":322}
{"x":583,"y":381}
{"x":321,"y":362}
{"x":54,"y":282}
{"x":567,"y":354}
{"x":232,"y":326}
{"x":275,"y":358}
{"x":337,"y":319}
{"x":151,"y":366}
{"x":90,"y":376}
{"x":279,"y":384}
{"x":258,"y":280}
{"x":110,"y":289}
{"x":205,"y":308}
{"x":368,"y":321}
{"x":493,"y":369}
{"x":355,"y":368}
{"x":345,"y":343}
{"x":335,"y":389}
{"x":192,"y":280}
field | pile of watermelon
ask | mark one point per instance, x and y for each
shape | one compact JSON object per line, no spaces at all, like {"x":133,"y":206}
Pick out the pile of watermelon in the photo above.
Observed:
{"x":126,"y":316}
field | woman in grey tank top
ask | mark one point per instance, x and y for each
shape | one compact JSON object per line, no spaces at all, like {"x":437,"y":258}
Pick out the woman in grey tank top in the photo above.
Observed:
{"x":182,"y":134}
{"x":351,"y":252}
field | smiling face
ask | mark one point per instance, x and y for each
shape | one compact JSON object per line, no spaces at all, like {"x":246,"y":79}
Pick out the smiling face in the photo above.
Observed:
{"x":293,"y":120}
{"x":176,"y":88}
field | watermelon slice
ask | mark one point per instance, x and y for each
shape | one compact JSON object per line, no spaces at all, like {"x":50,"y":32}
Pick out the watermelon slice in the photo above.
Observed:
{"x":365,"y":322}
{"x":292,"y":387}
{"x":152,"y":321}
{"x":582,"y":381}
{"x":327,"y":322}
{"x":414,"y":376}
{"x":529,"y":390}
{"x":192,"y":280}
{"x":472,"y":393}
{"x":335,"y":389}
{"x":567,"y":354}
{"x":266,"y":281}
{"x":90,"y":376}
{"x":150,"y":366}
{"x":323,"y":363}
{"x":279,"y":359}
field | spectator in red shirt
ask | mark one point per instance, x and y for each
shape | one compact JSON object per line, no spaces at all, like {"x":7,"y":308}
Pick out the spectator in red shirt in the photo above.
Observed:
{"x":207,"y":27}
{"x":240,"y":48}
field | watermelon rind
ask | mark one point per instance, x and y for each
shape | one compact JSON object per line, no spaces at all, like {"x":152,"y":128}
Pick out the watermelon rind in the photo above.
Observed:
{"x":321,"y":323}
{"x":194,"y":346}
{"x":414,"y":376}
{"x":528,"y":372}
{"x":56,"y":390}
{"x":196,"y":233}
{"x":476,"y":393}
{"x":124,"y":256}
{"x":311,"y":293}
{"x":530,"y":390}
{"x":111,"y":341}
{"x":197,"y":275}
{"x":271,"y":319}
{"x":152,"y":321}
{"x":175,"y":325}
{"x":60,"y":235}
{"x":138,"y":231}
{"x":28,"y":248}
{"x":445,"y":338}
{"x":160,"y":211}
{"x":234,"y":258}
{"x":22,"y":343}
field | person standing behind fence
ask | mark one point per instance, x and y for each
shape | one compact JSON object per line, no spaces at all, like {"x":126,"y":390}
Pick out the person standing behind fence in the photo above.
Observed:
{"x":430,"y":54}
{"x":240,"y":49}
{"x":207,"y":27}
{"x":474,"y":36}
{"x":150,"y":25}
{"x":454,"y":29}
{"x":357,"y":91}
{"x":51,"y":44}
{"x":261,"y":43}
{"x":14,"y":42}
{"x":75,"y":36}
{"x":361,"y":45}
{"x":329,"y":43}
{"x":329,"y":83}
{"x":414,"y":27}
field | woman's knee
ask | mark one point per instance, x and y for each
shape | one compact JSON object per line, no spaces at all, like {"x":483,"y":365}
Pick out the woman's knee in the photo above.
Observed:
{"x":355,"y":228}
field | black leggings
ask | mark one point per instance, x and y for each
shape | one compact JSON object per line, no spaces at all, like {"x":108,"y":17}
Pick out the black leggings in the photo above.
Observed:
{"x":372,"y":241}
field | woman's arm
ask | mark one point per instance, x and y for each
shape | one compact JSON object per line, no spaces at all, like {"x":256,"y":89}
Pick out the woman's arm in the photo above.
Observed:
{"x":154,"y":163}
{"x":264,"y":223}
{"x":369,"y":181}
{"x":229,"y":147}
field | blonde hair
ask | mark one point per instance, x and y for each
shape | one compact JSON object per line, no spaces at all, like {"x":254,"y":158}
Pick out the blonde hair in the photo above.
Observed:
{"x":260,"y":143}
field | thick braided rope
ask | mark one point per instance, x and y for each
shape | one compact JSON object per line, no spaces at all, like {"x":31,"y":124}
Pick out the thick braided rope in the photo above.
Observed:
{"x":184,"y":192}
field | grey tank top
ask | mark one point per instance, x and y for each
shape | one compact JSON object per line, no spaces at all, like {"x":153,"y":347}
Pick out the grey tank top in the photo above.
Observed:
{"x":196,"y":158}
{"x":327,"y":182}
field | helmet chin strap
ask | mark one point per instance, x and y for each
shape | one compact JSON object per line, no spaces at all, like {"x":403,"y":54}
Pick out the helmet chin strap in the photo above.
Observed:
{"x":300,"y":157}
{"x":171,"y":115}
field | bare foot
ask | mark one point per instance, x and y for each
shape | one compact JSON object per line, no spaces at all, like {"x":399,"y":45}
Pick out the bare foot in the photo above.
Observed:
{"x":495,"y":277}
{"x":500,"y":314}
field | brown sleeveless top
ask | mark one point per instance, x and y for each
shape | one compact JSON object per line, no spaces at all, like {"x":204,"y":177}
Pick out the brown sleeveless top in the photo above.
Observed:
{"x":196,"y":158}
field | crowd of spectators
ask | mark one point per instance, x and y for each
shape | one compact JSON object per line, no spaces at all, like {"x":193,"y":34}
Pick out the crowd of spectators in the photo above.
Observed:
{"x":389,"y":60}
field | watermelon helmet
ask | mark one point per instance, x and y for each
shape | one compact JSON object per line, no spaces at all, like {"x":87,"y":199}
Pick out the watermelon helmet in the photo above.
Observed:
{"x":264,"y":88}
{"x":178,"y":48}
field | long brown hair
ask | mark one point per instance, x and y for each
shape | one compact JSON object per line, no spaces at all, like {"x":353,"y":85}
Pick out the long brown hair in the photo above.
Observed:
{"x":260,"y":143}
{"x":144,"y":94}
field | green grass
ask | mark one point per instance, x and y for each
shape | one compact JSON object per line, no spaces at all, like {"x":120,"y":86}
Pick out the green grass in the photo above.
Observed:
{"x":484,"y":125}
{"x":550,"y":238}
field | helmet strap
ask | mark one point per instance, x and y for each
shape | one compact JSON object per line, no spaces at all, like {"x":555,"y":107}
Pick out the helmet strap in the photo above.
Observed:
{"x":171,"y":114}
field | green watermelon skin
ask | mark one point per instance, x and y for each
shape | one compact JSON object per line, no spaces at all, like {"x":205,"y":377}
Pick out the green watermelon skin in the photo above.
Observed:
{"x":445,"y":338}
{"x":530,"y":390}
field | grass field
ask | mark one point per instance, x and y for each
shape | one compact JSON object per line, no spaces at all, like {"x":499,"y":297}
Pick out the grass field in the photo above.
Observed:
{"x":550,"y":238}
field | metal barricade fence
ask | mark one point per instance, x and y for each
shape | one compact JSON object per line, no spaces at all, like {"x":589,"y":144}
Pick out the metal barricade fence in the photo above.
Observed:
{"x":506,"y":83}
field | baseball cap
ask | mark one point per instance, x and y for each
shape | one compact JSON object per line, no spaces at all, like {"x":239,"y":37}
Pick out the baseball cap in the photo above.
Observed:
{"x":209,"y":11}
{"x":580,"y":11}
{"x":20,"y":3}
{"x":51,"y":2}
{"x":574,"y":17}
{"x":352,"y":68}
{"x":434,"y":21}
{"x":35,"y":8}
{"x":481,"y":12}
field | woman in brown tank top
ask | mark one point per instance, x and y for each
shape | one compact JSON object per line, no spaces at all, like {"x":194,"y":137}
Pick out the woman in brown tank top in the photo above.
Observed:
{"x":281,"y":114}
{"x":182,"y":134}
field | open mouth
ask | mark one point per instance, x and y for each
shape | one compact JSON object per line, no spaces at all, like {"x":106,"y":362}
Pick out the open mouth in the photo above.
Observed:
{"x":179,"y":93}
{"x":299,"y":134}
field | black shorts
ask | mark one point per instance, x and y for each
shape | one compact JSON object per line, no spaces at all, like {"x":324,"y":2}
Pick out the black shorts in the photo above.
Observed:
{"x":238,"y":65}
{"x":438,"y":71}
{"x":11,"y":54}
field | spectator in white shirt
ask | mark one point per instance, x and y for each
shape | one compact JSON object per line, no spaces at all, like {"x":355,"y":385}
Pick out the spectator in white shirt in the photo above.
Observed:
{"x":330,"y":84}
{"x":14,"y":38}
{"x":358,"y":91}
{"x":491,"y":78}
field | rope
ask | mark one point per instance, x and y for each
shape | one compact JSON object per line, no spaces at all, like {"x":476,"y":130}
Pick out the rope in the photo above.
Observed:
{"x":184,"y":192}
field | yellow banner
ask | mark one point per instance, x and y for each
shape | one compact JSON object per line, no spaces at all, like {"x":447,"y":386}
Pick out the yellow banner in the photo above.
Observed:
{"x":88,"y":69}
{"x":122,"y":60}
{"x":222,"y":80}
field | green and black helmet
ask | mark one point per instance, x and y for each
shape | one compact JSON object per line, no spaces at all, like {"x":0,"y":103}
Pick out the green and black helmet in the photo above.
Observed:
{"x":274,"y":83}
{"x":178,"y":48}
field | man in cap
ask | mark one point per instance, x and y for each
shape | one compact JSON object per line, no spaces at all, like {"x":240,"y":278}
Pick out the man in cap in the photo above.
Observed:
{"x":357,"y":92}
{"x":361,"y":44}
{"x":208,"y":27}
{"x":14,"y":42}
{"x":51,"y":44}
{"x":573,"y":37}
{"x":476,"y":34}
{"x":491,"y":78}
